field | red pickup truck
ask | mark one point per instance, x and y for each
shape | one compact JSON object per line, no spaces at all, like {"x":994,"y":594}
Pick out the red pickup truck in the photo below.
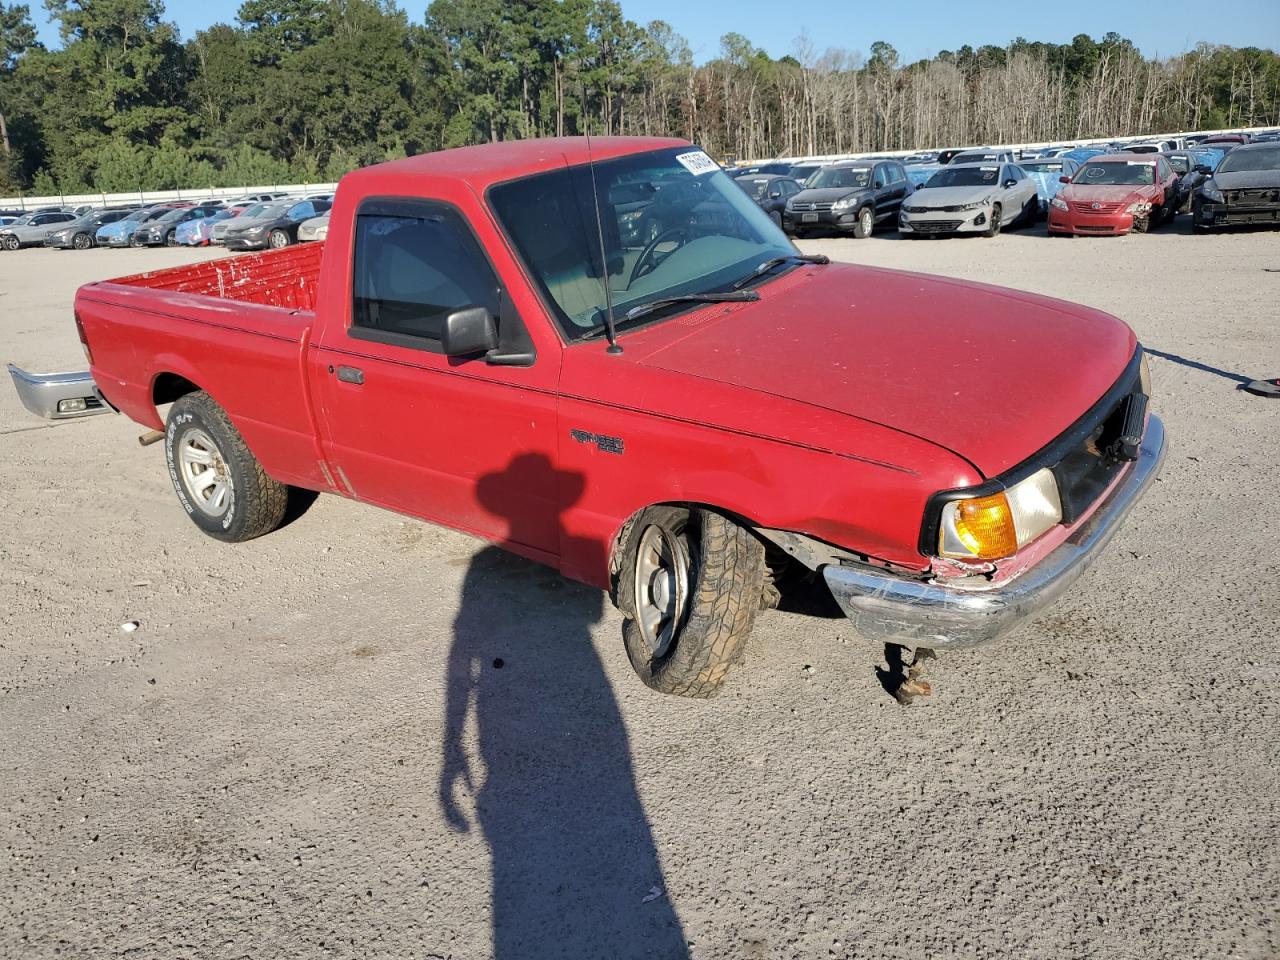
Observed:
{"x":605,"y":357}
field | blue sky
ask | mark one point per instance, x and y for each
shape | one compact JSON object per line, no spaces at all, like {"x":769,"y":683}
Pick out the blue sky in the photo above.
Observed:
{"x":917,"y":28}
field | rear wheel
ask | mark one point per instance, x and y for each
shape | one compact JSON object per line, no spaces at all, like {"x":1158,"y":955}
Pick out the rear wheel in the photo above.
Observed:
{"x":866,"y":223}
{"x":82,"y":241}
{"x":218,"y":480}
{"x":689,"y":587}
{"x":278,"y":239}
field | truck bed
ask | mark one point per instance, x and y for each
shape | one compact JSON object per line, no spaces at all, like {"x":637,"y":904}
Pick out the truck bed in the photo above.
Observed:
{"x":276,"y":278}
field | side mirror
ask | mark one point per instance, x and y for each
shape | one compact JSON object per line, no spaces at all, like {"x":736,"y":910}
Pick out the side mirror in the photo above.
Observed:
{"x":1064,"y":179}
{"x":469,"y":331}
{"x":1203,"y":170}
{"x":1010,"y":183}
{"x":775,"y":194}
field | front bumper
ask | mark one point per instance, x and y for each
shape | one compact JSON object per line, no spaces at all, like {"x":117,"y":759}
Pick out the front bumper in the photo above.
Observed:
{"x":58,"y":243}
{"x":892,"y":609}
{"x":45,"y":394}
{"x":244,"y":243}
{"x":1222,"y":215}
{"x":1089,"y":224}
{"x":944,"y":221}
{"x":820,"y":219}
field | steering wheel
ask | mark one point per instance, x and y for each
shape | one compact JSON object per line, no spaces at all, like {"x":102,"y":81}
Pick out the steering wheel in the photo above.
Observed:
{"x":648,"y":260}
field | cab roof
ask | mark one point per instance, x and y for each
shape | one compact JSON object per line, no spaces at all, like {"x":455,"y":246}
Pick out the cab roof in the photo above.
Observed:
{"x":490,"y":163}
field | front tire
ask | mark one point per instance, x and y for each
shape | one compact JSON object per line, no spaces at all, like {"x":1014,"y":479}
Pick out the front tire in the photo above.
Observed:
{"x":993,"y":224}
{"x":278,"y":239}
{"x":12,"y":243}
{"x":82,"y":241}
{"x":689,"y":587}
{"x":219,"y":482}
{"x":170,"y":239}
{"x":866,"y":223}
{"x":135,"y":242}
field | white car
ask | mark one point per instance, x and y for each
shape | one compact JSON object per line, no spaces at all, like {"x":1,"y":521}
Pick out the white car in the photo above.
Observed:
{"x":315,"y":228}
{"x":970,"y":198}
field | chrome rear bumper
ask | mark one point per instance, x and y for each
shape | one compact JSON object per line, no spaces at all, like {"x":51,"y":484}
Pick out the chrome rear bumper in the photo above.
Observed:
{"x":914,"y":613}
{"x":58,"y":396}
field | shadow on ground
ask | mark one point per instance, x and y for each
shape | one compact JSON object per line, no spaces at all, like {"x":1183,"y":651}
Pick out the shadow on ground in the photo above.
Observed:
{"x":575,"y":873}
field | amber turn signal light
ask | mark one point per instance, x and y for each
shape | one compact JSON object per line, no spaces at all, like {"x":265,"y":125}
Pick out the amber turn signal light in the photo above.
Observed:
{"x":985,"y":526}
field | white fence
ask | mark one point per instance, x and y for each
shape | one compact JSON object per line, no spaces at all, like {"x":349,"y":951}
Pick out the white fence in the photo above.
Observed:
{"x":159,"y":196}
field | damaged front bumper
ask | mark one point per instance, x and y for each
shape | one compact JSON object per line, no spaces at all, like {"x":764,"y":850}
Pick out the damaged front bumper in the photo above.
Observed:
{"x":58,"y":396}
{"x":914,"y":613}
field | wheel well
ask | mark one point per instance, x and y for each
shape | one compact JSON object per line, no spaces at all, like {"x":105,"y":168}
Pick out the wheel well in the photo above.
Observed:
{"x":169,"y":387}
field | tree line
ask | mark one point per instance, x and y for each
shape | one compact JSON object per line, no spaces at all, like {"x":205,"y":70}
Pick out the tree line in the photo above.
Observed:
{"x":305,"y":90}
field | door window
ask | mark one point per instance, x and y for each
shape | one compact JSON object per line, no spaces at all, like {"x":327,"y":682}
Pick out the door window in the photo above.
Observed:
{"x":415,"y":263}
{"x":879,"y":178}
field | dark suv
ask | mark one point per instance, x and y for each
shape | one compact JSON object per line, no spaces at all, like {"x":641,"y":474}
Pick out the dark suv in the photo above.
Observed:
{"x":770,"y":192}
{"x":850,"y":196}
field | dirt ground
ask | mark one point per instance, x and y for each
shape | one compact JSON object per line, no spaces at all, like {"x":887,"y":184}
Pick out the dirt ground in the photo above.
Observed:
{"x":308,"y":748}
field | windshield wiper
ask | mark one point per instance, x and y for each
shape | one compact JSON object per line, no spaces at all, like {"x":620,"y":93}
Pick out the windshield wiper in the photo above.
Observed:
{"x":772,"y":262}
{"x":731,"y":296}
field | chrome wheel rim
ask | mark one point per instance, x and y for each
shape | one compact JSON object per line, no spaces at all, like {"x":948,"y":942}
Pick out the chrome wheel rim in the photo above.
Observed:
{"x":81,"y":242}
{"x":661,"y":588}
{"x":204,"y":473}
{"x":866,"y":221}
{"x":277,"y":240}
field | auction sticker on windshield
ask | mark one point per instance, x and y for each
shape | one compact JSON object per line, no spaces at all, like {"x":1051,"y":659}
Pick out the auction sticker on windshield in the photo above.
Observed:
{"x":697,"y":163}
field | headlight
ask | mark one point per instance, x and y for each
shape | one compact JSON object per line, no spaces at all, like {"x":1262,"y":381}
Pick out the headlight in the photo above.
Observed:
{"x":61,"y":235}
{"x":1210,"y":191}
{"x":1058,"y":203}
{"x":1139,"y":207}
{"x":989,"y":528}
{"x":844,"y":204}
{"x":907,"y":208}
{"x":976,"y":205}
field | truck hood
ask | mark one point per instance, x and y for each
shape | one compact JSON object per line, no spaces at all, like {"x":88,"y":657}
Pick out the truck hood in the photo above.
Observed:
{"x":988,"y":373}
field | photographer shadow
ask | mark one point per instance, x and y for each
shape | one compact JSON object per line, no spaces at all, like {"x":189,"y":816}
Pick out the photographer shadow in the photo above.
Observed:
{"x":575,"y":872}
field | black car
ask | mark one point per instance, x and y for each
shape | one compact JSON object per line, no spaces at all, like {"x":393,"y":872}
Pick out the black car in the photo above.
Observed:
{"x":850,"y":196}
{"x":770,"y":192}
{"x":1244,"y":189}
{"x":163,"y":229}
{"x":800,"y":172}
{"x":276,"y":227}
{"x":1191,"y":168}
{"x":82,"y":234}
{"x":775,"y":167}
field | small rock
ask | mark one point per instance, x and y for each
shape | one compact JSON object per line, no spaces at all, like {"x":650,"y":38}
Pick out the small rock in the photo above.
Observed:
{"x":130,"y":625}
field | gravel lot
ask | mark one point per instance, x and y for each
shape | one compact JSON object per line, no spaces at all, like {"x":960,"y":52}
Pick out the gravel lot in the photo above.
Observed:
{"x":257,"y":770}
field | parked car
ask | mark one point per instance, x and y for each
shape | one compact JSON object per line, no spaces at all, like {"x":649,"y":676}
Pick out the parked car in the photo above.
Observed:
{"x":251,"y":212}
{"x":851,"y":196}
{"x":919,"y":174}
{"x":946,"y":156}
{"x":163,"y":230}
{"x":317,"y":228}
{"x":800,"y":172}
{"x":1047,"y":176}
{"x":30,"y":230}
{"x":970,"y":198}
{"x":982,"y":155}
{"x":1226,"y":139}
{"x":198,"y":231}
{"x":253,"y":198}
{"x":674,"y":442}
{"x":771,"y":193}
{"x":1116,"y":193}
{"x":275,"y":227}
{"x":120,"y":233}
{"x":6,"y":219}
{"x":81,"y":233}
{"x":1244,"y":189}
{"x":1081,"y":154}
{"x":319,"y":196}
{"x":774,"y":167}
{"x":1187,"y":164}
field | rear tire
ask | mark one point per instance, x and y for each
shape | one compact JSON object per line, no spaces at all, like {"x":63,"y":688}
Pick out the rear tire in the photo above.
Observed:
{"x":690,"y":585}
{"x":866,"y":223}
{"x":219,"y":482}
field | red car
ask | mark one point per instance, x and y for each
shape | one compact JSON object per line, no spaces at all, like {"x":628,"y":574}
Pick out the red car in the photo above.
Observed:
{"x":678,"y":419}
{"x":1115,"y":193}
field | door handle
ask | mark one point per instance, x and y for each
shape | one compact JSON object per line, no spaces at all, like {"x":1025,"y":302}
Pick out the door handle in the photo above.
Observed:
{"x":351,"y":375}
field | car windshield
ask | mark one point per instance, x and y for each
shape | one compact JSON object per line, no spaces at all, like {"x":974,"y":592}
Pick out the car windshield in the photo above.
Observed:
{"x":255,"y":211}
{"x":22,"y":220}
{"x":757,"y":189}
{"x":673,"y":224}
{"x":1041,"y":166}
{"x":972,"y":176}
{"x":272,"y":211}
{"x":839,"y":177}
{"x":173,"y":214}
{"x":1117,"y":172}
{"x":1254,"y":158}
{"x":975,"y":158}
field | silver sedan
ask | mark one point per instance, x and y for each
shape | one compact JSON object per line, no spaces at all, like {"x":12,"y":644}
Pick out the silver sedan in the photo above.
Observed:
{"x":970,"y":198}
{"x":317,"y":228}
{"x":30,"y":230}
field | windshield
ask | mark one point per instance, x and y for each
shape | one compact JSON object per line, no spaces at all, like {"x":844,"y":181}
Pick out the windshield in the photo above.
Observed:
{"x":1255,"y":158}
{"x":965,"y":177}
{"x":975,"y":158}
{"x":756,"y":189}
{"x":22,"y":220}
{"x":254,"y":211}
{"x":673,"y":224}
{"x":1117,"y":173}
{"x":273,"y":211}
{"x":1041,"y":166}
{"x":839,"y":177}
{"x":174,"y":214}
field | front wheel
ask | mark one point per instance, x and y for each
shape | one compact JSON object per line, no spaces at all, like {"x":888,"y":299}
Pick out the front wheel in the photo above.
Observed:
{"x":170,"y":239}
{"x":278,"y":239}
{"x":866,"y":223}
{"x":82,"y":241}
{"x":689,"y":587}
{"x":219,"y":482}
{"x":11,"y":243}
{"x":993,"y":224}
{"x":135,"y":242}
